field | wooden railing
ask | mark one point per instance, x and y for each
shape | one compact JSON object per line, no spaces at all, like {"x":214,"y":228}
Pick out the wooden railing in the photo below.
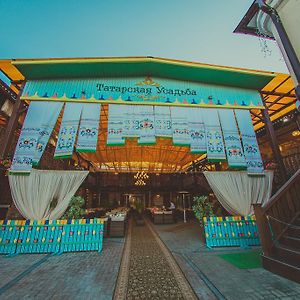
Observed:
{"x":282,"y":209}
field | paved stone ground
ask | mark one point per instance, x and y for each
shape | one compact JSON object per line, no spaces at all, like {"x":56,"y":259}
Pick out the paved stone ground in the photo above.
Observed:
{"x":85,"y":275}
{"x":92,"y":275}
{"x":224,"y":280}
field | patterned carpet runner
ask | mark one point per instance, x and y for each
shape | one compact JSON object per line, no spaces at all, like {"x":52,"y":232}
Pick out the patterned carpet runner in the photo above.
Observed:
{"x":148,"y":270}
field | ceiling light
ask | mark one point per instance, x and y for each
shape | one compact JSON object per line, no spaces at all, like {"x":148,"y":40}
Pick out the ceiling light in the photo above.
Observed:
{"x":296,"y":133}
{"x":285,"y":119}
{"x":140,"y":182}
{"x":141,"y":175}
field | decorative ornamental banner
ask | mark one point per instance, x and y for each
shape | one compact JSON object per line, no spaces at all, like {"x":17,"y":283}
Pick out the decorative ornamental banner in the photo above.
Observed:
{"x":251,"y":149}
{"x":181,"y":135}
{"x":25,"y":149}
{"x":50,"y":112}
{"x":163,"y":122}
{"x":234,"y":150}
{"x":115,"y":126}
{"x":198,"y":128}
{"x":197,"y":131}
{"x":214,"y":138}
{"x":68,"y":130}
{"x":130,"y":120}
{"x":141,"y":90}
{"x":89,"y":126}
{"x":146,"y":125}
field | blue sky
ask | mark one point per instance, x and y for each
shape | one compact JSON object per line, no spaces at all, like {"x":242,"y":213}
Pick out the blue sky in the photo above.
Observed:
{"x":193,"y":30}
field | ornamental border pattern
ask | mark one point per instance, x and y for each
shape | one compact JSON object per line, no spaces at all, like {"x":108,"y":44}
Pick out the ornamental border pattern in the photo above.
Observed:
{"x":120,"y":291}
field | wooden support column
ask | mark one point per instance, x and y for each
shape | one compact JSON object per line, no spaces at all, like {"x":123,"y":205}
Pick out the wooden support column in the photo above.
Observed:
{"x":274,"y":145}
{"x":218,"y":166}
{"x":12,"y":124}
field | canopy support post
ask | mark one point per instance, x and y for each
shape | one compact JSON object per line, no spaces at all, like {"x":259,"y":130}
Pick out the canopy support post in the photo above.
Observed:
{"x":12,"y":124}
{"x":274,"y":144}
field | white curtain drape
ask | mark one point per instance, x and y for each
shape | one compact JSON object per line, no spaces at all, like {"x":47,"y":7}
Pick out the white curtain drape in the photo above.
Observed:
{"x":237,"y":191}
{"x":34,"y":193}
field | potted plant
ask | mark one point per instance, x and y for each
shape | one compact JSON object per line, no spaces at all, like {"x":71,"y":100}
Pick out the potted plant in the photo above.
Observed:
{"x":202,"y":208}
{"x":75,"y":209}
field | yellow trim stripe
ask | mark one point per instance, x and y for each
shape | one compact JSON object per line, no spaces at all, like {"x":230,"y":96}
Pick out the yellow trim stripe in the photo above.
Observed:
{"x":122,"y":102}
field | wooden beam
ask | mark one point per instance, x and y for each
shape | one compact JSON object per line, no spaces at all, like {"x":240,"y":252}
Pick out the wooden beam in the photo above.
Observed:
{"x":285,"y":106}
{"x":274,"y":111}
{"x":256,"y":115}
{"x":270,"y":93}
{"x":289,"y":95}
{"x":12,"y":124}
{"x":274,"y":145}
{"x":279,"y":85}
{"x":279,"y":98}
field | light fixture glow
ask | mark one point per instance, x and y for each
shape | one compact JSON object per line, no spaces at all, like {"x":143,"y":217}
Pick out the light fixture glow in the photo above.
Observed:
{"x":140,"y":178}
{"x":285,"y":119}
{"x":296,"y":133}
{"x":140,"y":182}
{"x":141,"y":175}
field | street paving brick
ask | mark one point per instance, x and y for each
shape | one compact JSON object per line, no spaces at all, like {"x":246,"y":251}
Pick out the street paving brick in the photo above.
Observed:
{"x":10,"y":267}
{"x":185,"y":240}
{"x":84,"y":275}
{"x":92,"y":275}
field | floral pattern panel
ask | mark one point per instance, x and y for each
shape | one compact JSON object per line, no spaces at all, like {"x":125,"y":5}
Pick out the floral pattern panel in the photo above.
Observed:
{"x":214,"y":137}
{"x":180,"y":126}
{"x":163,"y":122}
{"x":88,"y":130}
{"x":68,"y":130}
{"x":197,"y":131}
{"x":26,"y":145}
{"x":233,"y":145}
{"x":130,"y":114}
{"x":115,"y":125}
{"x":51,"y":113}
{"x":146,"y":125}
{"x":250,"y":145}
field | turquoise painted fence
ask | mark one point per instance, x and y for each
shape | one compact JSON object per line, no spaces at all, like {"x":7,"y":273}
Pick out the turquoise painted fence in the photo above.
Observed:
{"x":231,"y":231}
{"x":50,"y":236}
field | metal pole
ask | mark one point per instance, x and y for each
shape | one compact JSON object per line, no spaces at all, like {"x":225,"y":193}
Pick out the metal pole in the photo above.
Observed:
{"x":183,"y":200}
